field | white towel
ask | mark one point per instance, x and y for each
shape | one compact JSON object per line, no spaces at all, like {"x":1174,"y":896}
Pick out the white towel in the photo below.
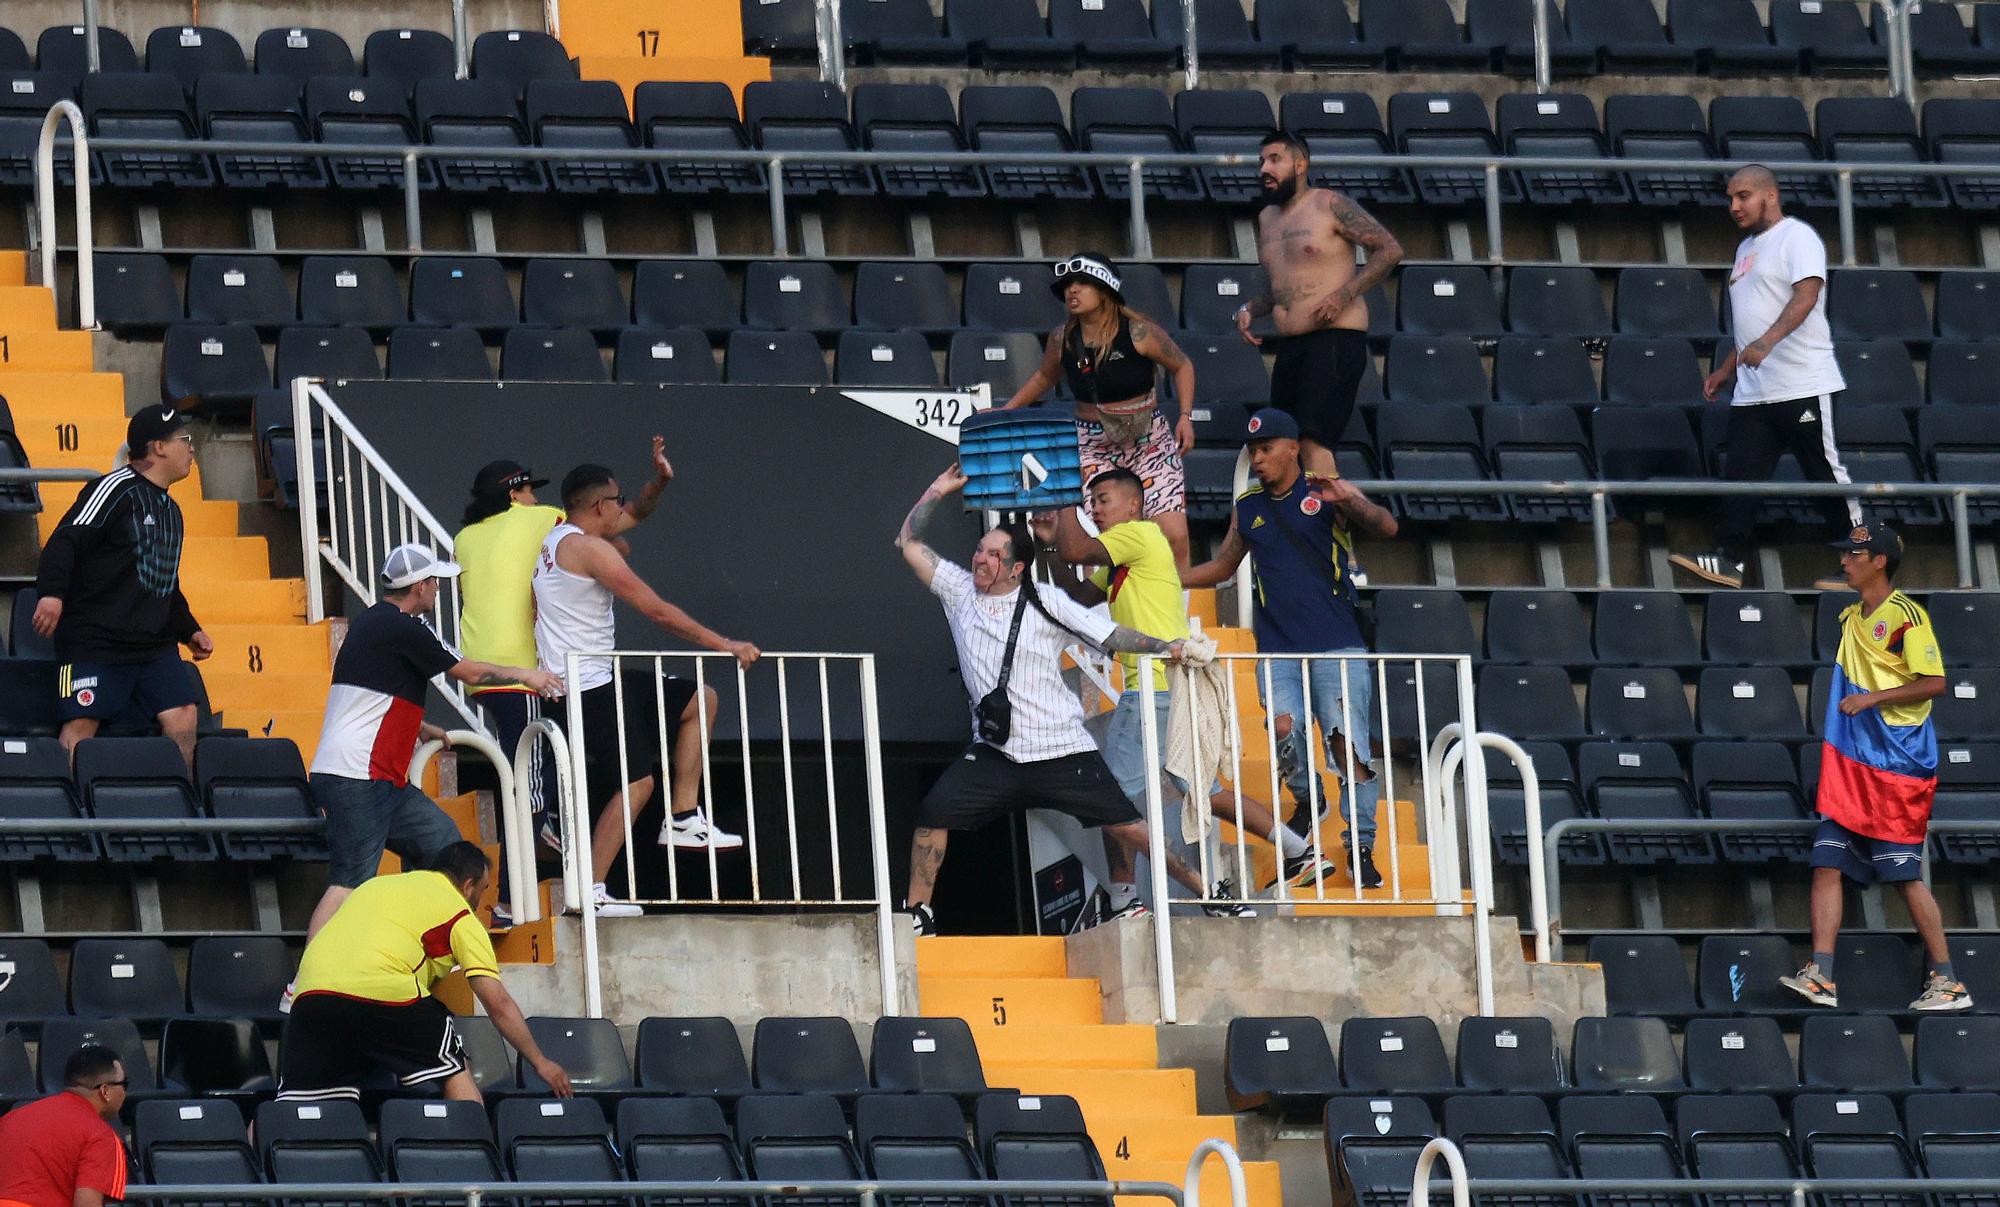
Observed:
{"x":1194,"y":751}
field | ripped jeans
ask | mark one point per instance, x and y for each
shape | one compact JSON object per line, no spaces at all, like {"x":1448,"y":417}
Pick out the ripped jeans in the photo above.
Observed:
{"x":1288,"y":700}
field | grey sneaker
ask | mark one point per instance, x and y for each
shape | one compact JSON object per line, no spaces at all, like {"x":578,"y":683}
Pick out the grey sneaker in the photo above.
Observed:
{"x":1809,"y":984}
{"x":1942,"y":995}
{"x":1224,"y":903}
{"x":1134,"y":908}
{"x":1715,"y":566}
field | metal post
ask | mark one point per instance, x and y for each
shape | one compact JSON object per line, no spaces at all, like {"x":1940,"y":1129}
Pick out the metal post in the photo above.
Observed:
{"x":1844,"y":182}
{"x":1600,"y":535}
{"x":302,"y":452}
{"x":1494,"y":251}
{"x":1961,"y":532}
{"x":413,"y":218}
{"x":1140,"y":240}
{"x":1188,"y":48}
{"x":1420,"y":1185}
{"x":576,"y":846}
{"x":90,"y":56}
{"x":45,"y":203}
{"x":832,"y":46}
{"x":780,"y":238}
{"x":1544,"y":74}
{"x":461,"y":41}
{"x":1163,"y":943}
{"x":1478,"y":840}
{"x":878,"y":834}
{"x":1907,"y":53}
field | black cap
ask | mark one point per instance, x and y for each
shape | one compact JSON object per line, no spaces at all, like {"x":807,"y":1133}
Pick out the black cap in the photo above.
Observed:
{"x":503,"y":477}
{"x":1878,"y":538}
{"x":156,"y":422}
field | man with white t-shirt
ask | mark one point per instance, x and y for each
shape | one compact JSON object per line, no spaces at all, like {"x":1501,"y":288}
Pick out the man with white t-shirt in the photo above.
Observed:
{"x":1786,"y":376}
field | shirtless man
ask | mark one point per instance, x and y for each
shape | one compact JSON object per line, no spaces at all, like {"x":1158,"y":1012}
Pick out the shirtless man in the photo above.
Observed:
{"x":1306,"y":239}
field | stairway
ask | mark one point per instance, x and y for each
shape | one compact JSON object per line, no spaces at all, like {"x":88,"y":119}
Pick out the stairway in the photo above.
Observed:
{"x":270,"y":669}
{"x":1042,"y":1031}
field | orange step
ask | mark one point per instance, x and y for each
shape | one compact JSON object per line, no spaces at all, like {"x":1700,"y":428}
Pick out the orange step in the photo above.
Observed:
{"x":1107,"y":1092}
{"x":992,"y":955}
{"x":1129,"y":1140}
{"x":237,"y":688}
{"x":35,"y":350}
{"x":266,"y":648}
{"x":1260,"y":1179}
{"x":27,"y":308}
{"x":13,"y":268}
{"x":230,"y":558}
{"x":1098,"y":1046}
{"x":1000,"y":1001}
{"x":256,"y":601}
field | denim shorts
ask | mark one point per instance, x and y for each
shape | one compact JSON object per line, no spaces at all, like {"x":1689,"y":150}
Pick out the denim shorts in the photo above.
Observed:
{"x":366,"y":817}
{"x":1125,"y":745}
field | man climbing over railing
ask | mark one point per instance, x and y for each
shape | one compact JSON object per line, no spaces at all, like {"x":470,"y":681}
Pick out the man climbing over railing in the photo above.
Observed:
{"x":1301,"y":529}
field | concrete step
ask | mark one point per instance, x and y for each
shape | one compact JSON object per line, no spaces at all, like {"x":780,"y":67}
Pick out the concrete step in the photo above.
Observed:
{"x":244,"y":601}
{"x":1108,"y":1093}
{"x":1001,"y":1001}
{"x":85,"y":439}
{"x":258,"y":649}
{"x":1100,"y":1046}
{"x":238,"y":689}
{"x":53,"y":394}
{"x":230,"y":558}
{"x":45,"y":351}
{"x":1163,"y":1138}
{"x":992,"y":955}
{"x":13,"y":267}
{"x":27,"y":308}
{"x":1260,"y":1179}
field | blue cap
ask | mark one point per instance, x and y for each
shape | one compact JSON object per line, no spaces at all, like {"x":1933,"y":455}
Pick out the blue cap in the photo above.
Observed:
{"x":1271,"y":424}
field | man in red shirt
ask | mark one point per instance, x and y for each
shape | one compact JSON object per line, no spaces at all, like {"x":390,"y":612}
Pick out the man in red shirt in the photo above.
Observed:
{"x":60,"y":1151}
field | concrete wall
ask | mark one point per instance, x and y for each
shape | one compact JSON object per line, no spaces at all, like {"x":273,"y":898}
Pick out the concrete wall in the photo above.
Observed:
{"x":740,"y":967}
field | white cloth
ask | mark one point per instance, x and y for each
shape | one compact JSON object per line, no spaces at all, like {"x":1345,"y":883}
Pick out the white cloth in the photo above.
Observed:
{"x":1047,"y":716}
{"x":572,"y":614}
{"x":1760,"y":286}
{"x":1200,"y":688}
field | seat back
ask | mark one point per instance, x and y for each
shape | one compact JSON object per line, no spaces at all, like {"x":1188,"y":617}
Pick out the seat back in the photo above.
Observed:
{"x":1381,"y":1054}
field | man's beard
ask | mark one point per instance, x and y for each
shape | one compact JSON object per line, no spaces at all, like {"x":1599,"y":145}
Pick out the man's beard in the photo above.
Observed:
{"x":1279,"y":194}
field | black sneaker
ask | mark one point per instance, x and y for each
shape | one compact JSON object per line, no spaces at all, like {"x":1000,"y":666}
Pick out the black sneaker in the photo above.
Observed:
{"x":921,"y":918}
{"x":1715,"y":566}
{"x":1305,"y":871}
{"x":1370,"y":878}
{"x":1224,"y":903}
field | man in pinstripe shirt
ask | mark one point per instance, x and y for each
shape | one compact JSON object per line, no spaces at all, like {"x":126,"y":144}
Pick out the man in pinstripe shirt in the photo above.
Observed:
{"x":1048,"y":759}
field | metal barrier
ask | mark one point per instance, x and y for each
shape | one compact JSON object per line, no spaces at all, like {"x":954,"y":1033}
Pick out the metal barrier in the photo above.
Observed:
{"x":519,"y":875}
{"x":1356,"y":672}
{"x":474,"y":1194}
{"x":797,"y":745}
{"x":45,"y":201}
{"x":1449,"y":752}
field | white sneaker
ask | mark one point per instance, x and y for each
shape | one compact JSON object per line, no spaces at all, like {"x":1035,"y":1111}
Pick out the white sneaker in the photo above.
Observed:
{"x":603,"y":906}
{"x":286,"y":998}
{"x":694,"y":831}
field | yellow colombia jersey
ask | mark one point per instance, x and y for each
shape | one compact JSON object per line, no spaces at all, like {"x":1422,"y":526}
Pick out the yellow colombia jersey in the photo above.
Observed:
{"x":496,"y":587}
{"x":1144,"y":587}
{"x":394,"y":938}
{"x":1888,"y":648}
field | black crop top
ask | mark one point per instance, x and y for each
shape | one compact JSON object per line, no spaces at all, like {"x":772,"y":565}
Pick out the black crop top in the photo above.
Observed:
{"x":1120,"y":374}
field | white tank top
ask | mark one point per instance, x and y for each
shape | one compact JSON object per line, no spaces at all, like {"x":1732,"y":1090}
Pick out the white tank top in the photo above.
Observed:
{"x":572,"y":613}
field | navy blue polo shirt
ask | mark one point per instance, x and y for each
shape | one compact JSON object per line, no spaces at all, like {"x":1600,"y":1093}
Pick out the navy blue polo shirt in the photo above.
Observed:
{"x":1302,"y":558}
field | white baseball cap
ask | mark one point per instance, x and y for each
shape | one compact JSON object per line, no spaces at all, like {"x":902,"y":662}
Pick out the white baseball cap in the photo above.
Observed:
{"x":408,"y":565}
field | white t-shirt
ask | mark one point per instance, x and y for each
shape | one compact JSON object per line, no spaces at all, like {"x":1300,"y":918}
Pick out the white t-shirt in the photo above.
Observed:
{"x":573,"y":614}
{"x":1047,"y":716}
{"x":1760,"y":285}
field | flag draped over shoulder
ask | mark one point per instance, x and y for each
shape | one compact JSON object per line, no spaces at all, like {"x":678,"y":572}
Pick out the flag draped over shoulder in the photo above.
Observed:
{"x":1875,"y":778}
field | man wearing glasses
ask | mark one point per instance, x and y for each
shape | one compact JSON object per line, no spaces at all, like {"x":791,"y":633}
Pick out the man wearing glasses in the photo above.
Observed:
{"x":110,"y":591}
{"x":61,"y":1151}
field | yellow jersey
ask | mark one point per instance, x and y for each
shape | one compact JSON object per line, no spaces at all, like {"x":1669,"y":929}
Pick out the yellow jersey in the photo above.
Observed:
{"x":1890,"y":647}
{"x":1144,"y":589}
{"x":496,"y":594}
{"x":393,"y":939}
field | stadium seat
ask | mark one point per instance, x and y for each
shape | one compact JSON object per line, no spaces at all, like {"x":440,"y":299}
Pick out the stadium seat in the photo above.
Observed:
{"x":1970,"y":706}
{"x":300,"y":53}
{"x":1529,"y":701}
{"x":1942,"y":45}
{"x":1738,"y":974}
{"x":773,"y":358}
{"x":1131,"y":121}
{"x":1877,"y":129}
{"x":1967,"y":624}
{"x":1022,"y":120}
{"x":124,"y":978}
{"x":22,"y":640}
{"x":1535,"y":443}
{"x":1628,"y":36}
{"x":405,"y":56}
{"x":1109,"y":34}
{"x":1643,"y":975}
{"x":1007,"y":35}
{"x":1877,"y":304}
{"x":139,"y":105}
{"x":257,"y":779}
{"x":1345,"y":123}
{"x":699,"y":1056}
{"x":1747,"y":702}
{"x":884,"y":358}
{"x":807,"y":1055}
{"x":1960,"y":374}
{"x":1226,"y":369}
{"x":368,"y":110}
{"x":476,"y":114}
{"x":680,"y":355}
{"x":437,"y":354}
{"x":14,"y":52}
{"x":1010,"y":297}
{"x":1435,"y":369}
{"x":1954,"y":1134}
{"x":1447,"y":123}
{"x":1438,"y":441}
{"x":1852,"y":1136}
{"x":1421,"y":35}
{"x":1005,"y":360}
{"x":1728,"y":38}
{"x":1968,"y":790}
{"x":1532,"y":370}
{"x":1756,"y":628}
{"x":582,"y":116}
{"x":1559,"y":124}
{"x":35,"y":784}
{"x":61,"y":1037}
{"x":551,"y":354}
{"x":1961,"y":1053}
{"x":1752,"y":781}
{"x":1875,"y":441}
{"x":25,"y":100}
{"x":1504,"y":1136}
{"x":558,"y":1140}
{"x":520,"y":57}
{"x":187,"y":52}
{"x":180,"y":1142}
{"x":1556,"y":301}
{"x":137,"y":779}
{"x":1852,"y":1053}
{"x":238,"y":977}
{"x":587,"y":1048}
{"x":1415,"y":620}
{"x":307,"y":1142}
{"x":1961,"y":130}
{"x":1879,"y":973}
{"x":925,"y":1055}
{"x":489,"y":1058}
{"x":1773,"y":129}
{"x":916,"y":120}
{"x":1508,"y":26}
{"x":1644,"y":628}
{"x":785,"y":295}
{"x":423,"y":1140}
{"x":1382,"y":1055}
{"x":1283,"y":1065}
{"x":783,"y":29}
{"x":1226,"y":37}
{"x":1737,"y":1056}
{"x":1827,"y":607}
{"x":238,"y":289}
{"x":696,"y":116}
{"x":1620,"y":1136}
{"x":1509,"y":1055}
{"x":1223,"y":121}
{"x":573,"y":293}
{"x":1561,"y":800}
{"x":17,"y":1070}
{"x":916,"y":1137}
{"x":60,"y":51}
{"x":677,"y":1140}
{"x":215,"y":1057}
{"x":1664,"y":302}
{"x":245,"y":108}
{"x":1211,"y":294}
{"x":890,"y":296}
{"x":684,"y":293}
{"x":1663,"y":127}
{"x":803,"y":116}
{"x":464,"y":291}
{"x":333,"y":353}
{"x":1735,"y":1136}
{"x":899,"y":31}
{"x":31,"y":991}
{"x":796,"y":1138}
{"x":1537,"y":626}
{"x":1651,"y":372}
{"x":1036,"y":1138}
{"x":1831,"y":38}
{"x":1372,"y":1146}
{"x":1641,"y":780}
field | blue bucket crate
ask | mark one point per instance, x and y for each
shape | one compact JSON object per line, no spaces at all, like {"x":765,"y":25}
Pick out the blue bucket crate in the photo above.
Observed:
{"x":993,"y":448}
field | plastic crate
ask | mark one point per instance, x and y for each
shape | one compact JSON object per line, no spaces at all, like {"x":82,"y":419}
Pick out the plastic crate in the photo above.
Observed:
{"x":994,"y":448}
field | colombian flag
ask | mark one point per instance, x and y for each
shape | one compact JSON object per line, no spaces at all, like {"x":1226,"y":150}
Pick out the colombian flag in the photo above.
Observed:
{"x":1875,"y":778}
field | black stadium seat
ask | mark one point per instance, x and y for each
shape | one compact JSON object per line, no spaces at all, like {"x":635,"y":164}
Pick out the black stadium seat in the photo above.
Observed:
{"x":1728,"y":38}
{"x":917,"y":1137}
{"x":136,"y":779}
{"x":1037,"y":1138}
{"x":1556,"y":301}
{"x":124,"y":978}
{"x":35,"y":784}
{"x":927,"y":1055}
{"x":1628,"y":36}
{"x":1284,"y":1065}
{"x":17,"y":1071}
{"x":61,"y":1037}
{"x":700,"y":1056}
{"x":790,"y":358}
{"x":1510,"y":1055}
{"x":1773,"y":129}
{"x":783,"y":29}
{"x":1831,"y":38}
{"x":1532,"y":370}
{"x":1508,"y":26}
{"x":1867,"y":130}
{"x":679,"y":355}
{"x":573,"y":293}
{"x":684,"y":293}
{"x":1225,"y":121}
{"x":404,"y":56}
{"x":1752,"y":781}
{"x":1737,"y":1056}
{"x":1646,"y":372}
{"x":1559,"y":124}
{"x":558,"y":1140}
{"x":1852,"y":1136}
{"x":25,"y":100}
{"x":462,"y":290}
{"x":437,"y":354}
{"x":797,"y":1138}
{"x":899,"y":31}
{"x":1003,"y":359}
{"x":1109,"y":34}
{"x":1961,"y":1053}
{"x":1739,"y":975}
{"x":192,"y":1143}
{"x":587,"y":1048}
{"x":891,"y":295}
{"x":1664,"y":302}
{"x":1643,"y":975}
{"x":1663,"y":127}
{"x":1736,"y":1136}
{"x":219,"y":1057}
{"x":696,"y":116}
{"x":367,"y":110}
{"x":1956,"y":1135}
{"x":187,"y":52}
{"x":1004,"y":35}
{"x":1852,"y":1053}
{"x":32,"y":991}
{"x":1393,"y":1054}
{"x":1011,"y":297}
{"x":1226,"y":37}
{"x":261,"y":108}
{"x":238,"y":977}
{"x":301,"y":52}
{"x":60,"y":51}
{"x":1132,"y":121}
{"x":551,"y":354}
{"x":791,"y":295}
{"x":1435,"y":368}
{"x":803,"y":116}
{"x":1621,"y":1136}
{"x":1021,"y":119}
{"x":1414,"y":620}
{"x":1756,"y":627}
{"x":140,"y":105}
{"x":1644,"y":628}
{"x":884,"y":358}
{"x":1447,"y":123}
{"x":306,"y":1142}
{"x":678,"y":1140}
{"x":1961,"y":130}
{"x":1372,"y":1146}
{"x":1421,"y":35}
{"x":1345,"y":123}
{"x":1506,"y":1136}
{"x":1747,"y":702}
{"x":1536,"y":443}
{"x":1641,"y":780}
{"x":1942,"y":45}
{"x":1960,"y":373}
{"x":583,"y":116}
{"x":473,"y":114}
{"x":520,"y":57}
{"x":423,"y":1140}
{"x":915,"y":121}
{"x":807,"y":1055}
{"x":238,"y":289}
{"x":1530,"y":701}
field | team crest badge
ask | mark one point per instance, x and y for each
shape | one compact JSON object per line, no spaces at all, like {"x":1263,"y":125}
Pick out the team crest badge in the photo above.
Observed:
{"x":1881,"y":629}
{"x":1256,"y":424}
{"x":86,"y":697}
{"x":1309,"y":504}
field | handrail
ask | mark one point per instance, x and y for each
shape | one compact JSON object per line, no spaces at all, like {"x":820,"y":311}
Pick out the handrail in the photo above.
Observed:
{"x":1420,"y":1183}
{"x":45,"y":200}
{"x":542,"y":729}
{"x":473,"y":1193}
{"x":1531,"y":791}
{"x":512,"y":813}
{"x":1239,"y":1190}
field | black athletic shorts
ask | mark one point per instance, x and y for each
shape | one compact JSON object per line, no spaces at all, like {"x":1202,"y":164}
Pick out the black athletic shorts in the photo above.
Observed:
{"x":1314,"y":380}
{"x":642,"y":730}
{"x":984,"y":784}
{"x":332,"y":1044}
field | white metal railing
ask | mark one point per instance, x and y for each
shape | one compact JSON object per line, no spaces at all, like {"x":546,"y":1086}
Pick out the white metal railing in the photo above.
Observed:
{"x":518,"y":876}
{"x":1449,"y":754}
{"x":802,"y":756}
{"x":1420,"y":1184}
{"x":45,"y":201}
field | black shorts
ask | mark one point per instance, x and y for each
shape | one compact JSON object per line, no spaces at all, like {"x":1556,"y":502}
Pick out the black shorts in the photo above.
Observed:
{"x":333,"y":1043}
{"x":1315,"y":377}
{"x":983,"y":784}
{"x":102,"y":691}
{"x":641,"y":745}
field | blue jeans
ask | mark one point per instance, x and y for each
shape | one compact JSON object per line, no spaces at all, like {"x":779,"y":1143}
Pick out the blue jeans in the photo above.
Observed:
{"x":1288,"y":700}
{"x":366,"y":817}
{"x":1125,"y":747}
